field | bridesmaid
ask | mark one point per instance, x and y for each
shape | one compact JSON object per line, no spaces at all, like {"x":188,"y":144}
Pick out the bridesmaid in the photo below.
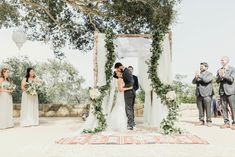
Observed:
{"x":29,"y":104}
{"x":6,"y":104}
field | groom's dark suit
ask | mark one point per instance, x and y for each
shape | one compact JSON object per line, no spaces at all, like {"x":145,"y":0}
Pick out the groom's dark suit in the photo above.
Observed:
{"x":129,"y":96}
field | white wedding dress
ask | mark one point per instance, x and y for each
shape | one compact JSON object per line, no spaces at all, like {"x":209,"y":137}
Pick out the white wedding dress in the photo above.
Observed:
{"x":117,"y":119}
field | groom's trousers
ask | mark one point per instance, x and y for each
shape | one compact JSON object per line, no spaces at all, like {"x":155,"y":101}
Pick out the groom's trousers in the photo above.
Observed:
{"x":228,"y":100}
{"x":129,"y":103}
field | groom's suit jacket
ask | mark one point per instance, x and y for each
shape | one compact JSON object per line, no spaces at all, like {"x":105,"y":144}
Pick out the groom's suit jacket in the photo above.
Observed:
{"x":128,"y":78}
{"x":227,"y":83}
{"x":136,"y":83}
{"x":203,"y":83}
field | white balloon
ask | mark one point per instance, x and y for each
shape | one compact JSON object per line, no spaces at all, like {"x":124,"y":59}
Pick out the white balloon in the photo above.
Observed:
{"x":19,"y":38}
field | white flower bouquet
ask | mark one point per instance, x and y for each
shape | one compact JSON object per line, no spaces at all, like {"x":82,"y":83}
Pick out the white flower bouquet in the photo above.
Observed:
{"x":94,"y":93}
{"x":32,"y":88}
{"x":10,"y":87}
{"x":171,"y":96}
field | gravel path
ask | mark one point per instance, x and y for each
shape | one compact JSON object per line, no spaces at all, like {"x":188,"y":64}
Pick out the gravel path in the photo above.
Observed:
{"x":40,"y":141}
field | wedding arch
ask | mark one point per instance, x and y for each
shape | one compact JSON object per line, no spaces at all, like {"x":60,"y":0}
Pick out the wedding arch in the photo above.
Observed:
{"x":160,"y":109}
{"x":74,"y":23}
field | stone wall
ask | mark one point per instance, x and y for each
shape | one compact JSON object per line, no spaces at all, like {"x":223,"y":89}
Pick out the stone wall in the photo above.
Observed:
{"x":49,"y":110}
{"x":139,"y":110}
{"x":78,"y":110}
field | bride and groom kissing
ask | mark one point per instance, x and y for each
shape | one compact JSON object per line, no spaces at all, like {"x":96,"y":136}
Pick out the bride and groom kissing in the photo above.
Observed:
{"x":121,"y":117}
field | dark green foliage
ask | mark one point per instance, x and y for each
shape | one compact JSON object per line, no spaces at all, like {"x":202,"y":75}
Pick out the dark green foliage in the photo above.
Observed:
{"x":66,"y":22}
{"x":141,"y":95}
{"x":9,"y":15}
{"x":57,"y":76}
{"x":185,"y":91}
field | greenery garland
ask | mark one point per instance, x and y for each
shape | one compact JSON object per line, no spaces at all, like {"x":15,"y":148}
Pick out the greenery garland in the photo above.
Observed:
{"x":97,"y":103}
{"x":168,"y":124}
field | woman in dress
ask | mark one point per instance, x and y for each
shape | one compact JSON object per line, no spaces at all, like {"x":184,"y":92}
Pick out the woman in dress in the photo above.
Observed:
{"x":117,"y":120}
{"x":6,"y":104}
{"x":29,"y":104}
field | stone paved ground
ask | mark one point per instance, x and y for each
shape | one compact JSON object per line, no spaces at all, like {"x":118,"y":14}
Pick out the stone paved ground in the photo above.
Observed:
{"x":39,"y":141}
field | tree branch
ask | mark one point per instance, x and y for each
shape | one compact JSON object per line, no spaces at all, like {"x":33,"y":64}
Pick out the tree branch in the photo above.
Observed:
{"x":35,"y":5}
{"x":91,"y":21}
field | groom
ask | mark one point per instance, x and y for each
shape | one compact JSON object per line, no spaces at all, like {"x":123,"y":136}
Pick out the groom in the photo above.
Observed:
{"x":129,"y":95}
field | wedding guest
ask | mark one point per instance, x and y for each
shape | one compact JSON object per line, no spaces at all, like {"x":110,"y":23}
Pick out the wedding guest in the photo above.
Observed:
{"x":29,"y":106}
{"x":6,"y":104}
{"x":204,"y":93}
{"x":225,"y":77}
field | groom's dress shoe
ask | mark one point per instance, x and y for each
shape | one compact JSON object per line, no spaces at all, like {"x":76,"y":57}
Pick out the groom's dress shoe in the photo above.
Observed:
{"x":130,"y":128}
{"x":199,"y":123}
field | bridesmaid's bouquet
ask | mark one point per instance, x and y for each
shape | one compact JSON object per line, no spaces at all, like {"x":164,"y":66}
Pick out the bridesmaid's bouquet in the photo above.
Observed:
{"x":32,"y":88}
{"x":10,"y":87}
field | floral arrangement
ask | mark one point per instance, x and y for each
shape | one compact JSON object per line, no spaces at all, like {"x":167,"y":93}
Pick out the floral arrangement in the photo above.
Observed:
{"x":10,"y":87}
{"x":170,"y":96}
{"x":94,"y":93}
{"x":32,"y":88}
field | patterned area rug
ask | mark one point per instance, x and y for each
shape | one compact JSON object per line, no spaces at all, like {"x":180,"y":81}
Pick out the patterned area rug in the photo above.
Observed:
{"x":131,"y":138}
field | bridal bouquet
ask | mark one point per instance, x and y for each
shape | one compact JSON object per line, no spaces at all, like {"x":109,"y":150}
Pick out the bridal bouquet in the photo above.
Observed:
{"x":10,"y":87}
{"x":94,"y":93}
{"x":32,"y":88}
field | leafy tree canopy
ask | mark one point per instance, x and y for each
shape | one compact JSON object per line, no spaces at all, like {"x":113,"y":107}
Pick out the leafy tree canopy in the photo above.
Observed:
{"x":73,"y":22}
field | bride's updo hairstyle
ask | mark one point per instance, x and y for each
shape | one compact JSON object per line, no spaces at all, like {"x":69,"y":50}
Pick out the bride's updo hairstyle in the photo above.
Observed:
{"x":115,"y":75}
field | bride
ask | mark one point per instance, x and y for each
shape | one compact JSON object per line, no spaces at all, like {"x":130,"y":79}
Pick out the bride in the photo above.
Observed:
{"x":117,"y":119}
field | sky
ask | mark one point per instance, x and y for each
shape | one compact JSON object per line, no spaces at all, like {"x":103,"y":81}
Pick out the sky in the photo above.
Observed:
{"x":204,"y":31}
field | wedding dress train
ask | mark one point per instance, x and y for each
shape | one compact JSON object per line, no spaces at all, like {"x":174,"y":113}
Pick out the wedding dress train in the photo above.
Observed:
{"x":117,"y":120}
